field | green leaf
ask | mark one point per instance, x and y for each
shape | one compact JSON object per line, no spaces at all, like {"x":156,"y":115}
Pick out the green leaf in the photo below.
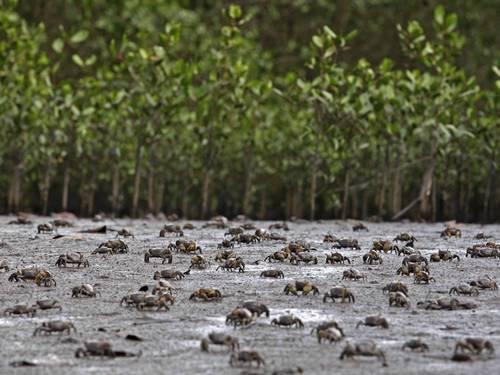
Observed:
{"x":351,"y":35}
{"x":77,"y":60}
{"x":79,"y":36}
{"x":234,"y":11}
{"x":143,"y":53}
{"x":58,"y":45}
{"x":330,"y":32}
{"x":451,"y":22}
{"x":318,"y":41}
{"x":496,"y":70}
{"x":439,"y":13}
{"x":91,"y":60}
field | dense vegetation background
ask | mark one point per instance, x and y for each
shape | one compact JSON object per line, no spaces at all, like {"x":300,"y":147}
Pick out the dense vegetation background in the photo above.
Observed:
{"x":316,"y":109}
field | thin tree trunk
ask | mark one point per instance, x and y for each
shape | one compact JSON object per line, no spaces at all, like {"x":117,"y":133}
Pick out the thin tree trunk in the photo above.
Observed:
{"x":396,"y":186}
{"x":247,"y":196}
{"x":151,"y":190}
{"x":160,"y":189}
{"x":345,"y":200}
{"x":205,"y":195}
{"x":115,"y":192}
{"x":426,"y":190}
{"x":45,"y":187}
{"x":487,"y":193}
{"x":137,"y":179}
{"x":312,"y":194}
{"x":263,"y":205}
{"x":15,"y":187}
{"x":65,"y":191}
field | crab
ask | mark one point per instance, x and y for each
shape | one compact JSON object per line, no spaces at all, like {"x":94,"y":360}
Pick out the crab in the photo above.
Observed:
{"x":245,"y":238}
{"x":363,"y":348}
{"x":248,"y":226}
{"x":206,"y":294}
{"x":329,"y":334}
{"x":264,"y":235}
{"x":47,"y":304}
{"x":326,"y":325}
{"x":423,"y":277}
{"x":186,"y":247}
{"x":398,"y":299}
{"x":84,"y":290}
{"x":412,"y":268}
{"x":218,"y":222}
{"x":339,"y":292}
{"x":474,"y":345}
{"x":4,"y":265}
{"x":164,"y":254}
{"x":287,"y":321}
{"x":414,"y":258}
{"x":301,"y":286}
{"x":337,"y":258}
{"x":451,"y":232}
{"x":485,"y":282}
{"x":224,"y":255}
{"x":415,"y":345}
{"x":407,"y":250}
{"x":443,"y":255}
{"x":77,"y":259}
{"x":133,"y":298}
{"x":45,"y":228}
{"x":170,"y":274}
{"x":199,"y":262}
{"x":374,"y":321}
{"x":275,"y":274}
{"x":95,"y":348}
{"x":385,"y":245}
{"x":159,"y":301}
{"x":234,"y":231}
{"x":171,"y":228}
{"x":228,"y":244}
{"x":233,"y":264}
{"x":124,"y":233}
{"x":161,"y":287}
{"x":278,"y":226}
{"x":219,"y":338}
{"x":278,"y":256}
{"x":59,"y":326}
{"x":330,"y":238}
{"x":239,"y":317}
{"x":346,"y":243}
{"x":372,"y":257}
{"x":188,"y":226}
{"x":40,"y":276}
{"x":404,"y":237}
{"x":353,"y":274}
{"x":465,"y":289}
{"x":359,"y":227}
{"x":246,"y":357}
{"x":482,"y":236}
{"x":396,"y":286}
{"x":446,"y":303}
{"x":297,"y":258}
{"x":103,"y":250}
{"x":24,"y":274}
{"x":117,"y":246}
{"x":482,"y":252}
{"x":256,"y":308}
{"x":21,"y":309}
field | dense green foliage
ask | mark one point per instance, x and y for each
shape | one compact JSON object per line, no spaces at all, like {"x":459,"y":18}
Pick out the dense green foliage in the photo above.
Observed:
{"x":204,"y":107}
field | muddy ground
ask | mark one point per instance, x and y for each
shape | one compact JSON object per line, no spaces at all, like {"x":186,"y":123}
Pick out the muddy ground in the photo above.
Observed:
{"x":172,"y":339}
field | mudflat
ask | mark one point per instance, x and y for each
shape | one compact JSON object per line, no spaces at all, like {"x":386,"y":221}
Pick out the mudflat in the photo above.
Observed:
{"x":171,"y":339}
